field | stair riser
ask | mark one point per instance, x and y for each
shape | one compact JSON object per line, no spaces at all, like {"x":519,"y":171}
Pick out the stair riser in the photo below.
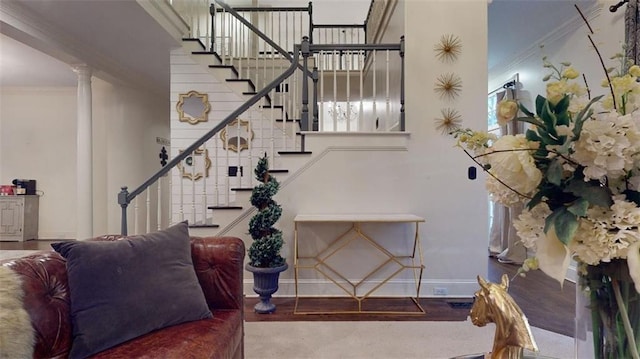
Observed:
{"x":225,"y":216}
{"x":261,"y":119}
{"x":192,"y":46}
{"x":239,"y":87}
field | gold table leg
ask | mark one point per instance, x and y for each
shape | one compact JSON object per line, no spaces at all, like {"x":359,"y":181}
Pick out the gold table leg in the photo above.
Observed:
{"x":321,"y":266}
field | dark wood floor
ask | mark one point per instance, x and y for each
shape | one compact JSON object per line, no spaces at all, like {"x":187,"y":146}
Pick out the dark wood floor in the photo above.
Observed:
{"x":30,"y":245}
{"x":545,"y":304}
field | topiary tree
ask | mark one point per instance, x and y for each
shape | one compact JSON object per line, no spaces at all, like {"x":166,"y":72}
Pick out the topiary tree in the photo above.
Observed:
{"x":264,"y":252}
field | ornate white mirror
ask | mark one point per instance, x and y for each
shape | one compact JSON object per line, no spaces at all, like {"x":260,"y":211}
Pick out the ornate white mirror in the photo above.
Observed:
{"x":193,"y":107}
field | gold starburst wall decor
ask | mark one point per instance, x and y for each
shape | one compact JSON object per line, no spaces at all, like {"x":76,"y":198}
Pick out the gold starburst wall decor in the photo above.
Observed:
{"x":448,"y":86}
{"x":450,"y":121}
{"x":449,"y":48}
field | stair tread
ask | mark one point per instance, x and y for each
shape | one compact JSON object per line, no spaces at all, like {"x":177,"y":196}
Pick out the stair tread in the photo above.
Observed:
{"x":248,"y":81}
{"x":251,"y":93}
{"x":229,"y":67}
{"x":242,"y":188}
{"x":207,"y":53}
{"x":204,"y":226}
{"x":191,"y":39}
{"x":224,"y":207}
{"x":279,"y":171}
{"x":294,"y":152}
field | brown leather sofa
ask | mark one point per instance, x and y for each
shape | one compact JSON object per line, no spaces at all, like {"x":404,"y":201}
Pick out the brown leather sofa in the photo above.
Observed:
{"x":218,"y":263}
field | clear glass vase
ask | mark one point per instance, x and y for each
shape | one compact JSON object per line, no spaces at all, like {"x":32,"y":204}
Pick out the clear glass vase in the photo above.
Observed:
{"x":607,"y":313}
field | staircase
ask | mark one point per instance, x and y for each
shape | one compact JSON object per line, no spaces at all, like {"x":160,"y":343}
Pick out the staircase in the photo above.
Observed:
{"x":250,"y":93}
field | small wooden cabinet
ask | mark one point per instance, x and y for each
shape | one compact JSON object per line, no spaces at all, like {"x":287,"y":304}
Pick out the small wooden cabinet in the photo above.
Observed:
{"x":18,"y":218}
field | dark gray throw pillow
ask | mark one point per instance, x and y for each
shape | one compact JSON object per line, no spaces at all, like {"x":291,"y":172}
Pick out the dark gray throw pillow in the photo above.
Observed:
{"x":123,"y":289}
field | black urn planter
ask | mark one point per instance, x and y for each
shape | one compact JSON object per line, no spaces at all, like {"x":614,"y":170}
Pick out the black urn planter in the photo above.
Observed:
{"x":265,"y":283}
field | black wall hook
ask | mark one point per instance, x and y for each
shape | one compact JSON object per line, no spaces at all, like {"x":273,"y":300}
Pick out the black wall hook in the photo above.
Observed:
{"x":614,"y":8}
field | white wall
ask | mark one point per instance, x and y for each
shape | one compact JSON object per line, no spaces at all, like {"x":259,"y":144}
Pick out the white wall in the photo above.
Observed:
{"x":127,"y":122}
{"x":39,"y":142}
{"x":567,"y":43}
{"x":425,"y":175}
{"x":456,"y":232}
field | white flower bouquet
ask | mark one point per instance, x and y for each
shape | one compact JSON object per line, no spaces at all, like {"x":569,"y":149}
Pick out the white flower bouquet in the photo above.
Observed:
{"x":577,"y":169}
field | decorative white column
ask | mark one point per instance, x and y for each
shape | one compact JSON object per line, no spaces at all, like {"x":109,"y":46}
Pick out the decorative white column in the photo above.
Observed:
{"x":84,"y":157}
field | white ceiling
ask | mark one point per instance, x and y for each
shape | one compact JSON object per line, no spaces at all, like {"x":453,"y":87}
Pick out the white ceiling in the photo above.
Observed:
{"x":117,"y":39}
{"x":515,"y":25}
{"x":106,"y":27}
{"x":21,"y":65}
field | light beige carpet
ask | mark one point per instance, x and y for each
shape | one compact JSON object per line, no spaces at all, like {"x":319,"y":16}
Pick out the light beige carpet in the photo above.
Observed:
{"x":384,"y":340}
{"x":373,"y":340}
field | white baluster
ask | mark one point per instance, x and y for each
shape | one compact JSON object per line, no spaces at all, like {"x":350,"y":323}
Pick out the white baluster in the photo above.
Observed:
{"x":226,"y":168}
{"x":239,"y":159}
{"x":193,"y":187}
{"x":335,"y":91}
{"x":388,"y":97}
{"x":375,"y":93}
{"x":361,"y":76}
{"x":159,"y":219}
{"x":222,"y":37}
{"x":249,"y":150}
{"x":321,"y":64}
{"x":204,"y":185}
{"x":348,"y":112}
{"x":216,"y":170}
{"x":136,"y":216}
{"x":148,"y":205}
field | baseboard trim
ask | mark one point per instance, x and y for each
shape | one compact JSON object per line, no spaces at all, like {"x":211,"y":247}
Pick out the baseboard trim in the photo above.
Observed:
{"x":395,"y":288}
{"x":51,"y":236}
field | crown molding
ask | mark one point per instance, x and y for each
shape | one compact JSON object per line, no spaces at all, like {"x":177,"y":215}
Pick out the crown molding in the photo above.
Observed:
{"x":510,"y":64}
{"x":167,"y":17}
{"x":23,"y":25}
{"x":33,"y":30}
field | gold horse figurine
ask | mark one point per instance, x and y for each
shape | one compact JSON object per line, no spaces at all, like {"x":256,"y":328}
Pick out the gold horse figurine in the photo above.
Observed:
{"x":494,"y":305}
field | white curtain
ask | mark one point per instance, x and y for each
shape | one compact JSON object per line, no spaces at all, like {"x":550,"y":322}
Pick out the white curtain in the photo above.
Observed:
{"x":503,"y":241}
{"x":632,"y":31}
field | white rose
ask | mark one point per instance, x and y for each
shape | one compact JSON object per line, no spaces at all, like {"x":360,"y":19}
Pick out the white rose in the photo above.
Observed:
{"x":506,"y":111}
{"x":515,"y":166}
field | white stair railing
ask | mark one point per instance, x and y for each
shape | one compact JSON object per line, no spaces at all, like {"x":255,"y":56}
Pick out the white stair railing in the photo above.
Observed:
{"x":196,"y":14}
{"x":259,"y":61}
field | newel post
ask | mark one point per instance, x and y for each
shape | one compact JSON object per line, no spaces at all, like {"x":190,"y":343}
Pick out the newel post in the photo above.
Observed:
{"x":304,"y":48}
{"x":402,"y":119}
{"x":123,"y":202}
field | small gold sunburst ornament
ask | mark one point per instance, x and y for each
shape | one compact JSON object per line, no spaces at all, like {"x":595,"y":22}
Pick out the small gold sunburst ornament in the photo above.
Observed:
{"x":449,"y":122}
{"x":449,"y":48}
{"x":448,"y":86}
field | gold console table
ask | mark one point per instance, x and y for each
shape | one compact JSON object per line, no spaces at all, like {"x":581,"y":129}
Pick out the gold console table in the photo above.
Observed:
{"x":318,"y":261}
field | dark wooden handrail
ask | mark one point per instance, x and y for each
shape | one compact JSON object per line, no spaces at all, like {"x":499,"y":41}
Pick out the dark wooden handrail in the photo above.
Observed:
{"x":125,"y":197}
{"x":306,"y":48}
